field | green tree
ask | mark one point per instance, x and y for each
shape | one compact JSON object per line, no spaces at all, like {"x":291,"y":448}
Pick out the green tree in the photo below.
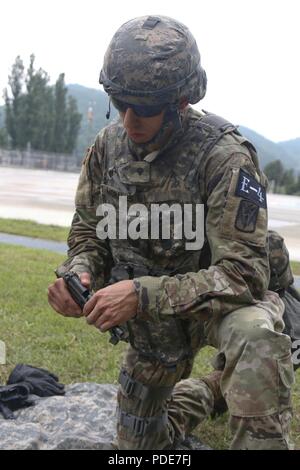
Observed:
{"x":3,"y":138}
{"x":275,"y":171}
{"x":14,"y":104}
{"x":59,"y":140}
{"x":39,"y":108}
{"x":288,"y":181}
{"x":295,"y":188}
{"x":39,"y":114}
{"x":74,"y":120}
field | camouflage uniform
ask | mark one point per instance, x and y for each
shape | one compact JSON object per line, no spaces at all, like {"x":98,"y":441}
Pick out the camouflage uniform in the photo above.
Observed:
{"x":217,"y":295}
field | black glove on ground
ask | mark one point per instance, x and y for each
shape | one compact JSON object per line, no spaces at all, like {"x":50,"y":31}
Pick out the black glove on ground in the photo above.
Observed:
{"x":13,"y":397}
{"x":41,"y":382}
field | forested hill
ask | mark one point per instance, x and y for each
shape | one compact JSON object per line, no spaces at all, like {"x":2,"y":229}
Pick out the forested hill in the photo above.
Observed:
{"x":93,"y":105}
{"x":293,"y":148}
{"x":288,"y":152}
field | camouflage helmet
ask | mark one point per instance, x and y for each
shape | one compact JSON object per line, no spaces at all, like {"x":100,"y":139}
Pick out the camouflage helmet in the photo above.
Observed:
{"x":153,"y":60}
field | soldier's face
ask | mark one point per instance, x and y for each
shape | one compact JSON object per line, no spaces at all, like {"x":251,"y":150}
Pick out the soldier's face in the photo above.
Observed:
{"x":141,"y":129}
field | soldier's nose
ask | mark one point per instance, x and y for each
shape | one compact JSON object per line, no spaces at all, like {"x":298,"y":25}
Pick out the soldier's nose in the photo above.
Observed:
{"x":130,"y":119}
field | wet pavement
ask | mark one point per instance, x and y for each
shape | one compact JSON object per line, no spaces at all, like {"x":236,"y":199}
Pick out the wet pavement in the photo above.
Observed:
{"x":28,"y":242}
{"x":44,"y":196}
{"x":48,"y":197}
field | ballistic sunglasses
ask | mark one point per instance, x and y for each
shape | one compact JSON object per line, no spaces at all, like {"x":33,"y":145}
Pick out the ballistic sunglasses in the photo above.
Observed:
{"x":139,"y":110}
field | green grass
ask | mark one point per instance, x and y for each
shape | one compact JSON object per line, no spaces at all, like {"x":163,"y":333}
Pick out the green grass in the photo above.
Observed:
{"x":296,"y":268}
{"x":54,"y":232}
{"x":29,"y":228}
{"x":34,"y":334}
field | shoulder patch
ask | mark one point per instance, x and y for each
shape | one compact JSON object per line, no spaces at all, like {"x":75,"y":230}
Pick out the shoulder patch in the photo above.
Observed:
{"x":248,"y":188}
{"x":246,"y":216}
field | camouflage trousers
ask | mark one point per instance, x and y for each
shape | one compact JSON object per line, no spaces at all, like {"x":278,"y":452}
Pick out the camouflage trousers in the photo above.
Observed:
{"x":162,"y":405}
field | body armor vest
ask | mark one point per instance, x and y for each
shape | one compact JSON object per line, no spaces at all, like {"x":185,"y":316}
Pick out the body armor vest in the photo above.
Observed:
{"x":173,"y":175}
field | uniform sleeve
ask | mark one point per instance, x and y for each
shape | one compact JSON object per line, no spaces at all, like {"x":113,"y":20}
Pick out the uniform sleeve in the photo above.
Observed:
{"x":88,"y":253}
{"x":236,"y":229}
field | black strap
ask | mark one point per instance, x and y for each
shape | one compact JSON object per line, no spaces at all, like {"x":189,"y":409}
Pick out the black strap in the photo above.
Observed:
{"x":218,"y":127}
{"x":132,"y":387}
{"x":142,"y":426}
{"x":218,"y":123}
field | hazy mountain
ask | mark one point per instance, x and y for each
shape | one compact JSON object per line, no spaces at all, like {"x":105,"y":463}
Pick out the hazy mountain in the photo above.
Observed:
{"x":293,"y":148}
{"x":86,"y":97}
{"x":93,"y":105}
{"x":269,"y":150}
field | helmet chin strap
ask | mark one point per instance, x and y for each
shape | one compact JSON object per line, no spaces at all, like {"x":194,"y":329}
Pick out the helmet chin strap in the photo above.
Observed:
{"x":108,"y":111}
{"x":173,"y":115}
{"x":171,"y":124}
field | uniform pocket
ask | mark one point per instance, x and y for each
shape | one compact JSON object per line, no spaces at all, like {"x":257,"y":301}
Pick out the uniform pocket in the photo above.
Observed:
{"x":286,"y":380}
{"x":258,"y":371}
{"x":286,"y":371}
{"x":188,"y":290}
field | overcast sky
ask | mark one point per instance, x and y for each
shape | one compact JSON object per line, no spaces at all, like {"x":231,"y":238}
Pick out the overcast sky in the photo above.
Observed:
{"x":249,"y":48}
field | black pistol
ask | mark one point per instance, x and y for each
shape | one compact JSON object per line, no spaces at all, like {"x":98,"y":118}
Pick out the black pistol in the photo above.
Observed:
{"x":81,"y":295}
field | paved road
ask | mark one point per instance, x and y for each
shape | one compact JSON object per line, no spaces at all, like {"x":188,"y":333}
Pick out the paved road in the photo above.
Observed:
{"x":44,"y":196}
{"x":48,"y":197}
{"x":57,"y":247}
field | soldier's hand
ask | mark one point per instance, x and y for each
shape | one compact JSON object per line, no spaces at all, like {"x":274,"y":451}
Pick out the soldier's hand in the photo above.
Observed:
{"x":112,"y":305}
{"x":60,"y":299}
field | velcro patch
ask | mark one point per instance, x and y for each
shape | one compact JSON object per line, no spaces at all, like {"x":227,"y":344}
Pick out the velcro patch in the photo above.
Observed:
{"x":248,"y":188}
{"x":134,"y":173}
{"x":246,"y":216}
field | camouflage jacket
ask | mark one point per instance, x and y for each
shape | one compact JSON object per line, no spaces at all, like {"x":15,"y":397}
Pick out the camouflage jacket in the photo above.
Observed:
{"x":231,"y":270}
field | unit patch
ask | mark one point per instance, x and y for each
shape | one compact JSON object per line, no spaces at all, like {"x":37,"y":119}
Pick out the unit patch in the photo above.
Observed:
{"x":247,"y":216}
{"x":248,"y":188}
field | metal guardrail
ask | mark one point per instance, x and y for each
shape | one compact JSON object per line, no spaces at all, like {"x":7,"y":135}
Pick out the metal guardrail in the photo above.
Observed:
{"x":41,"y":160}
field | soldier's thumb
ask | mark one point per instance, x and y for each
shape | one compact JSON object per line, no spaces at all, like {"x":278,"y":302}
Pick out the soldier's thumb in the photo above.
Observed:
{"x":85,"y":279}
